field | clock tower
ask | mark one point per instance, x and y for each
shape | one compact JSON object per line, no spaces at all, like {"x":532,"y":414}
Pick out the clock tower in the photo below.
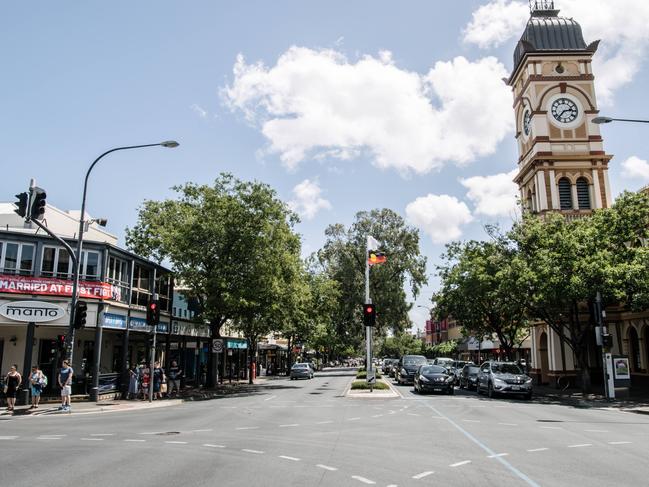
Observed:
{"x":562,"y":164}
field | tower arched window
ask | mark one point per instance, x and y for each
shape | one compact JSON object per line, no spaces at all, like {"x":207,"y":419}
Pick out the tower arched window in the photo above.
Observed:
{"x":565,"y":194}
{"x":583,"y":194}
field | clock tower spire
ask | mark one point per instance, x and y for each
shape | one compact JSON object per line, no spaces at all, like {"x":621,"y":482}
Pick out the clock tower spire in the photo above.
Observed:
{"x":562,"y":165}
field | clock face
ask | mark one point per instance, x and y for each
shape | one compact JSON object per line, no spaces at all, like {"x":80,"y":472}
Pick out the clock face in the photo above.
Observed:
{"x":527,"y":119}
{"x":564,"y":110}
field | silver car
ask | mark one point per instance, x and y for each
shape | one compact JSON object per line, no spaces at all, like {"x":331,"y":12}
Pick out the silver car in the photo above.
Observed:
{"x":301,"y":371}
{"x":504,"y":378}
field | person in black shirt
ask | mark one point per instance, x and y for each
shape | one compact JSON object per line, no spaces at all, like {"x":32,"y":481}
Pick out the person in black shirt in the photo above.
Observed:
{"x":175,"y":374}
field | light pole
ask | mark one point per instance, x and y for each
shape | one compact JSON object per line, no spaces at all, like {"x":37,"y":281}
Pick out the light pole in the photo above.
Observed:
{"x":602,"y":120}
{"x":69,"y":338}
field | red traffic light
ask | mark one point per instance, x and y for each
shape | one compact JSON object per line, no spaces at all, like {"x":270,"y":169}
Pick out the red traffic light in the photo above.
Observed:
{"x":369,"y":314}
{"x":153,"y":306}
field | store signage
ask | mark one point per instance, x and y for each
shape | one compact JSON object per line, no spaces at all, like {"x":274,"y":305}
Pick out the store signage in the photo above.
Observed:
{"x":32,"y":311}
{"x":234,"y":343}
{"x":112,"y":320}
{"x":57,"y":287}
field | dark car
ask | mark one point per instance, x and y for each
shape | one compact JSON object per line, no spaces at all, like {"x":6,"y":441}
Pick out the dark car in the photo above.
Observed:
{"x":406,"y":368}
{"x":386,"y":366}
{"x":504,"y":378}
{"x":434,"y":378}
{"x":469,"y":376}
{"x":392,"y":367}
{"x":301,"y":371}
{"x":456,"y":368}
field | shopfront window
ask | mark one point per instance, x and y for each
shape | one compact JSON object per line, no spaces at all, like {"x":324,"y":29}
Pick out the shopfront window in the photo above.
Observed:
{"x":16,"y":258}
{"x":141,"y":293}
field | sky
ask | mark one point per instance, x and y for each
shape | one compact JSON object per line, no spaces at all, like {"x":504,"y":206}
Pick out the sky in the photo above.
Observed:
{"x":340,"y":106}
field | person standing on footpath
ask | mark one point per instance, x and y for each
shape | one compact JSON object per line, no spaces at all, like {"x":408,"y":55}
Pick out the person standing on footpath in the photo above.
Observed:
{"x":12,"y":381}
{"x":133,"y":379}
{"x":175,"y":374}
{"x":158,"y":379}
{"x":38,"y":382}
{"x":65,"y":383}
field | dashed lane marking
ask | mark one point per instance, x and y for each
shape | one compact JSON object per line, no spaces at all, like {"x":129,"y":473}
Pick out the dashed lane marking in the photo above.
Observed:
{"x":619,"y":442}
{"x":471,"y":420}
{"x":597,"y":431}
{"x":498,"y":455}
{"x":324,"y":422}
{"x":363,"y":479}
{"x":209,"y":445}
{"x":508,"y":424}
{"x":413,"y":414}
{"x":201,"y":431}
{"x":102,"y":434}
{"x":551,"y":427}
{"x":377,"y":416}
{"x":8,"y":437}
{"x":49,"y":438}
{"x":248,"y":428}
{"x":269,"y":398}
{"x":129,"y":440}
{"x":537,"y":449}
{"x":423,"y":474}
{"x":288,"y":425}
{"x":353,"y":419}
{"x":326,"y":467}
{"x":459,"y":464}
{"x":256,"y":452}
{"x":581,"y":445}
{"x":293,"y":459}
{"x":92,"y":439}
{"x":176,"y":442}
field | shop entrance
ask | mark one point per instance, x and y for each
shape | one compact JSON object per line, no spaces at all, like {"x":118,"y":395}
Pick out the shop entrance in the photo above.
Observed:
{"x":48,"y":359}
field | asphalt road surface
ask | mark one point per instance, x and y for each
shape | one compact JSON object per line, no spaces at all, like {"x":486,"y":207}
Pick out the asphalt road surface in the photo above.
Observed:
{"x":306,"y":433}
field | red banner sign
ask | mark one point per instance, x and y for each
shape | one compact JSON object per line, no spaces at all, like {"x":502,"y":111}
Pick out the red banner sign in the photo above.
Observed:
{"x":57,"y":287}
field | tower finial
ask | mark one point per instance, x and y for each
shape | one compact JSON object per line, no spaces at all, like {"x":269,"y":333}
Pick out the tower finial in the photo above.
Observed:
{"x":542,"y":8}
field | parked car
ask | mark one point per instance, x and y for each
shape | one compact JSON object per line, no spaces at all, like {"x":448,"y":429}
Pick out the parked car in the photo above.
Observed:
{"x":443,"y":361}
{"x":385,"y":367}
{"x":392,"y":367}
{"x":469,"y":376}
{"x":301,"y":371}
{"x":456,"y":369}
{"x":504,"y":378}
{"x":406,"y":368}
{"x":433,"y":378}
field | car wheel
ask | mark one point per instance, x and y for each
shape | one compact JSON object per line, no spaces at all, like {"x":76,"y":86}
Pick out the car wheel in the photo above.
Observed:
{"x":490,"y":391}
{"x":528,"y":396}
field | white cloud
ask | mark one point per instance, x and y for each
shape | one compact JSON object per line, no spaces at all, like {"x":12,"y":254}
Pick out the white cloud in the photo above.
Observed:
{"x":307,"y":201}
{"x":440,"y":216}
{"x":493,"y":195}
{"x":621,"y":25}
{"x":315,"y":102}
{"x":636,"y":168}
{"x":496,"y":22}
{"x":199,"y":110}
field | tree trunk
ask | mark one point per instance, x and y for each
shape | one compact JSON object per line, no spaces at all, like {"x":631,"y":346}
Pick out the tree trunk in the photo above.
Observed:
{"x":289,"y":356}
{"x":252,"y":353}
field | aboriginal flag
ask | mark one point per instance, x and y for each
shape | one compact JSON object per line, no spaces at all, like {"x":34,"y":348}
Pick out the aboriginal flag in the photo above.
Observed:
{"x":375,"y":257}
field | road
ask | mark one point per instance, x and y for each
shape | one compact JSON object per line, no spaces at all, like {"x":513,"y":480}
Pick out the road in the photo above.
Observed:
{"x":307,"y":433}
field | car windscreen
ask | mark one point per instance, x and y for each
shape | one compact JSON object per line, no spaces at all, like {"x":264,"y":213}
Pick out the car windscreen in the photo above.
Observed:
{"x":432,"y":369}
{"x":473,"y":369}
{"x":506,"y":369}
{"x":414,"y":360}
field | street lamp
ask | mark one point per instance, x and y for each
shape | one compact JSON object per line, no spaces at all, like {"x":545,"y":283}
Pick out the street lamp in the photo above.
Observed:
{"x":77,"y":264}
{"x":602,"y":120}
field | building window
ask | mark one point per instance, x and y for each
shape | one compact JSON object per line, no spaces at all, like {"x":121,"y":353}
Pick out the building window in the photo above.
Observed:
{"x":16,"y":258}
{"x":583,"y":194}
{"x":163,"y":289}
{"x":141,"y":293}
{"x":56,"y":262}
{"x":565,"y":194}
{"x":90,"y":266}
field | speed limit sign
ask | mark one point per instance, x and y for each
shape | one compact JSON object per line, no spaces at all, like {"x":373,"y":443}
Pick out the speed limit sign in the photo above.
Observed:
{"x":217,"y":345}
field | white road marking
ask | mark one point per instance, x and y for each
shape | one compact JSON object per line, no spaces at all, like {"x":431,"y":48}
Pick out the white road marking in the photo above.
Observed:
{"x":327,"y":467}
{"x":135,"y":441}
{"x":48,"y":438}
{"x":288,"y":425}
{"x":92,"y":439}
{"x":377,"y":416}
{"x":176,"y":442}
{"x":619,"y":442}
{"x":498,"y":455}
{"x":258,"y":452}
{"x":471,"y":420}
{"x":201,"y":431}
{"x":228,"y":407}
{"x":597,"y":431}
{"x":413,"y":414}
{"x":459,"y":464}
{"x":423,"y":474}
{"x":8,"y":437}
{"x":102,"y":434}
{"x":324,"y":422}
{"x":508,"y":424}
{"x":363,"y":479}
{"x":538,"y":449}
{"x":293,"y":459}
{"x":353,"y":419}
{"x":580,"y":445}
{"x":551,"y":427}
{"x":248,"y":428}
{"x":213,"y":446}
{"x":269,"y":398}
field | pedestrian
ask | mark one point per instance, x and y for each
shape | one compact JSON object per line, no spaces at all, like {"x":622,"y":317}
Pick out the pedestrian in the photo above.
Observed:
{"x":175,"y":374}
{"x":65,"y":383}
{"x":133,"y":383}
{"x":146,"y":376}
{"x":12,"y":381}
{"x":38,"y":382}
{"x":158,"y":379}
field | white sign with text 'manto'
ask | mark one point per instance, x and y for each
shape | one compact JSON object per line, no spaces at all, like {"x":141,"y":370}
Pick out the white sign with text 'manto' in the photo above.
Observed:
{"x":32,"y":311}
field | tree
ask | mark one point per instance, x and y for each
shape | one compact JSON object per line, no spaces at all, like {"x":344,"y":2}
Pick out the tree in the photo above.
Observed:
{"x":232,"y":245}
{"x":400,"y":345}
{"x":479,"y":289}
{"x":343,"y":260}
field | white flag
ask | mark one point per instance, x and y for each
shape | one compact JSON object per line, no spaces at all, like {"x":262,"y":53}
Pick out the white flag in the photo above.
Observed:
{"x":372,"y":243}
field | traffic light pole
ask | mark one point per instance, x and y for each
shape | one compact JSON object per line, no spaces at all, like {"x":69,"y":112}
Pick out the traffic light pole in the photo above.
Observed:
{"x":368,"y":329}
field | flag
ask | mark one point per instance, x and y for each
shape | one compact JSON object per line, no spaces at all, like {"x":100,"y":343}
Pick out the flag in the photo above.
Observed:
{"x":375,"y":257}
{"x":372,"y":243}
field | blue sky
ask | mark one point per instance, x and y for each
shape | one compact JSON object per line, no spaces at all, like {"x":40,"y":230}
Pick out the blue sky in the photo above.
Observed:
{"x":347,"y":105}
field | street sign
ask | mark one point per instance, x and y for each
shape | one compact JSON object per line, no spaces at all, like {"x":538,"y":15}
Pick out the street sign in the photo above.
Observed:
{"x":217,"y":345}
{"x":371,"y":377}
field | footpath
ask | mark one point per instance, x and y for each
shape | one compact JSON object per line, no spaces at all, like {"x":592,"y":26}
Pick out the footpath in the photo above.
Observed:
{"x":636,"y":403}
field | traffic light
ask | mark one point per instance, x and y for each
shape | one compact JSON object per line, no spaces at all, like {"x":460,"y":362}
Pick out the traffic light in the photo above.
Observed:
{"x":607,"y":341}
{"x":37,"y":203}
{"x":22,"y":203}
{"x":369,"y":314}
{"x":153,"y":313}
{"x":60,"y":342}
{"x":80,"y":314}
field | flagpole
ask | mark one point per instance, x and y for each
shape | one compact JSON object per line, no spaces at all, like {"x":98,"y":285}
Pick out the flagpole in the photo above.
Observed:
{"x":368,"y":329}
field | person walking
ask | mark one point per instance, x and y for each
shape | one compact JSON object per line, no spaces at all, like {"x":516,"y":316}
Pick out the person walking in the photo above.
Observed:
{"x":158,"y":379}
{"x":65,"y":383}
{"x":38,"y":382}
{"x":12,"y":381}
{"x":175,"y":374}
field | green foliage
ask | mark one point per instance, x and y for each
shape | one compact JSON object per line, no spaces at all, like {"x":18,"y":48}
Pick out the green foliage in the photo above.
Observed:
{"x":363,"y":385}
{"x":399,"y":345}
{"x":362,"y":374}
{"x":443,"y":349}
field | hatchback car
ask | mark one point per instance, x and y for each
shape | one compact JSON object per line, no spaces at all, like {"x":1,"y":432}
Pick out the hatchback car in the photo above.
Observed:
{"x":406,"y":368}
{"x":504,"y":378}
{"x":433,"y":378}
{"x":469,"y":376}
{"x":301,"y":371}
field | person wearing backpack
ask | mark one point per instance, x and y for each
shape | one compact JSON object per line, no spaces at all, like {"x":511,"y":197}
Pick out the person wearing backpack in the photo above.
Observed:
{"x":38,"y":382}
